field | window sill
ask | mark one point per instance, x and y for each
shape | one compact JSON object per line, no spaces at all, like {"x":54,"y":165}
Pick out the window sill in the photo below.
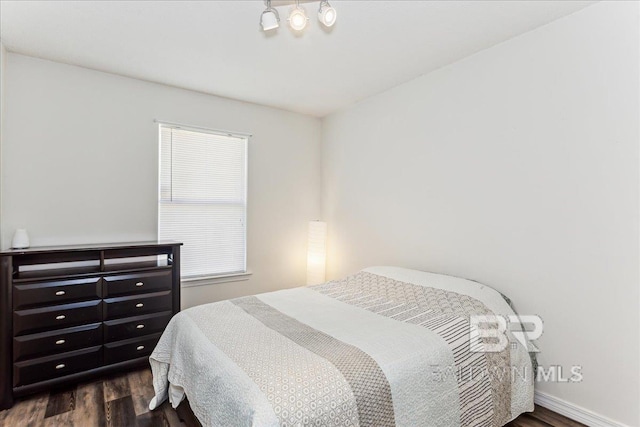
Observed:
{"x":188,"y":282}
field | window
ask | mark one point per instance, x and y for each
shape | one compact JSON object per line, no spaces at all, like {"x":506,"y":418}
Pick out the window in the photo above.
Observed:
{"x":203,"y":199}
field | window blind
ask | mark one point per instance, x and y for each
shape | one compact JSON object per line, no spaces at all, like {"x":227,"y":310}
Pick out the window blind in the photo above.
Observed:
{"x":203,"y":199}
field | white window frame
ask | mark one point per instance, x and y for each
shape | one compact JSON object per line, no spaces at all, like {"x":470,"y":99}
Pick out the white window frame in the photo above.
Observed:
{"x":189,"y":281}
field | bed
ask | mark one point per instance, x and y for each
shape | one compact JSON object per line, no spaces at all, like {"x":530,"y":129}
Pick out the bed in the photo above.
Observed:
{"x":385,"y":346}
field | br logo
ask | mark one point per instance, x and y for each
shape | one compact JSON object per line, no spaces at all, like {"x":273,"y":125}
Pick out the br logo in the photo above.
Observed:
{"x":493,"y":333}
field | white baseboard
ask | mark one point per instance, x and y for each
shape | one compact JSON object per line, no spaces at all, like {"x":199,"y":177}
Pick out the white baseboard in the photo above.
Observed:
{"x":574,"y":412}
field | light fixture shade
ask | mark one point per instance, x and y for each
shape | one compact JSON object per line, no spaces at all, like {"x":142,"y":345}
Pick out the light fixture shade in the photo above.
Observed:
{"x":269,"y":20}
{"x":327,"y":15}
{"x":316,"y":252}
{"x":298,"y":18}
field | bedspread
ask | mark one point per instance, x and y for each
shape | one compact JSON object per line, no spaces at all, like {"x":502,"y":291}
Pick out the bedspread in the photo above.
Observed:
{"x":383,"y":347}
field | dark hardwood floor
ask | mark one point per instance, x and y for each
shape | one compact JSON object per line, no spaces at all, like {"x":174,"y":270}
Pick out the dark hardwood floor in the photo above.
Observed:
{"x":123,"y":401}
{"x":119,"y":401}
{"x":543,"y":417}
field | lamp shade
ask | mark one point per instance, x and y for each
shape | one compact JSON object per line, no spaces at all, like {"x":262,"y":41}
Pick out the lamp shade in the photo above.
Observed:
{"x":316,"y":252}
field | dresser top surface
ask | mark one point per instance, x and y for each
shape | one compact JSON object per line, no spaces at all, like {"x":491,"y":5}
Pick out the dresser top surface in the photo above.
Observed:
{"x":89,"y":247}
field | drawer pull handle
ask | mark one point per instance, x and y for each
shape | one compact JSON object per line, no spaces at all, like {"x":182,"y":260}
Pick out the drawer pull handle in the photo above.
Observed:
{"x":60,"y":366}
{"x":140,"y":347}
{"x":139,"y":284}
{"x":61,"y":317}
{"x":139,"y":305}
{"x":59,"y":342}
{"x":59,"y":293}
{"x":140,"y":326}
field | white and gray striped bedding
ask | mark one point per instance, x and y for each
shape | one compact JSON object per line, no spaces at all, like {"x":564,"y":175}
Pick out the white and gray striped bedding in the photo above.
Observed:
{"x":384,"y":347}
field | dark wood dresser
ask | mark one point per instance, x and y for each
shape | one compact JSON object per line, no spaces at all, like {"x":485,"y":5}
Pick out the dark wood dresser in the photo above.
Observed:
{"x":73,"y":312}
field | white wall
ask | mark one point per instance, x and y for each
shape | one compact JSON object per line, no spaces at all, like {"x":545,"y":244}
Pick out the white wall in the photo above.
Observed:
{"x":517,"y":167}
{"x":80,"y":165}
{"x":3,"y":55}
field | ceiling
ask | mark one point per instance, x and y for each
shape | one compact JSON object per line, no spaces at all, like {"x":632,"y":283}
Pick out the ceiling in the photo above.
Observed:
{"x":217,"y":47}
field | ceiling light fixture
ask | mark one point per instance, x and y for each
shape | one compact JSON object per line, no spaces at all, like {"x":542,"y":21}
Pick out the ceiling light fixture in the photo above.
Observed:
{"x":326,"y":14}
{"x":298,"y":18}
{"x":270,"y":19}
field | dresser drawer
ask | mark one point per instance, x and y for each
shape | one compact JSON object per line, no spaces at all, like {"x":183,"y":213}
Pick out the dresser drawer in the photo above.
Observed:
{"x":133,"y":327}
{"x":125,"y":284}
{"x":56,"y":292}
{"x":54,"y":342}
{"x":56,"y":317}
{"x":130,"y":349}
{"x":133,"y":305}
{"x":46,"y":368}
